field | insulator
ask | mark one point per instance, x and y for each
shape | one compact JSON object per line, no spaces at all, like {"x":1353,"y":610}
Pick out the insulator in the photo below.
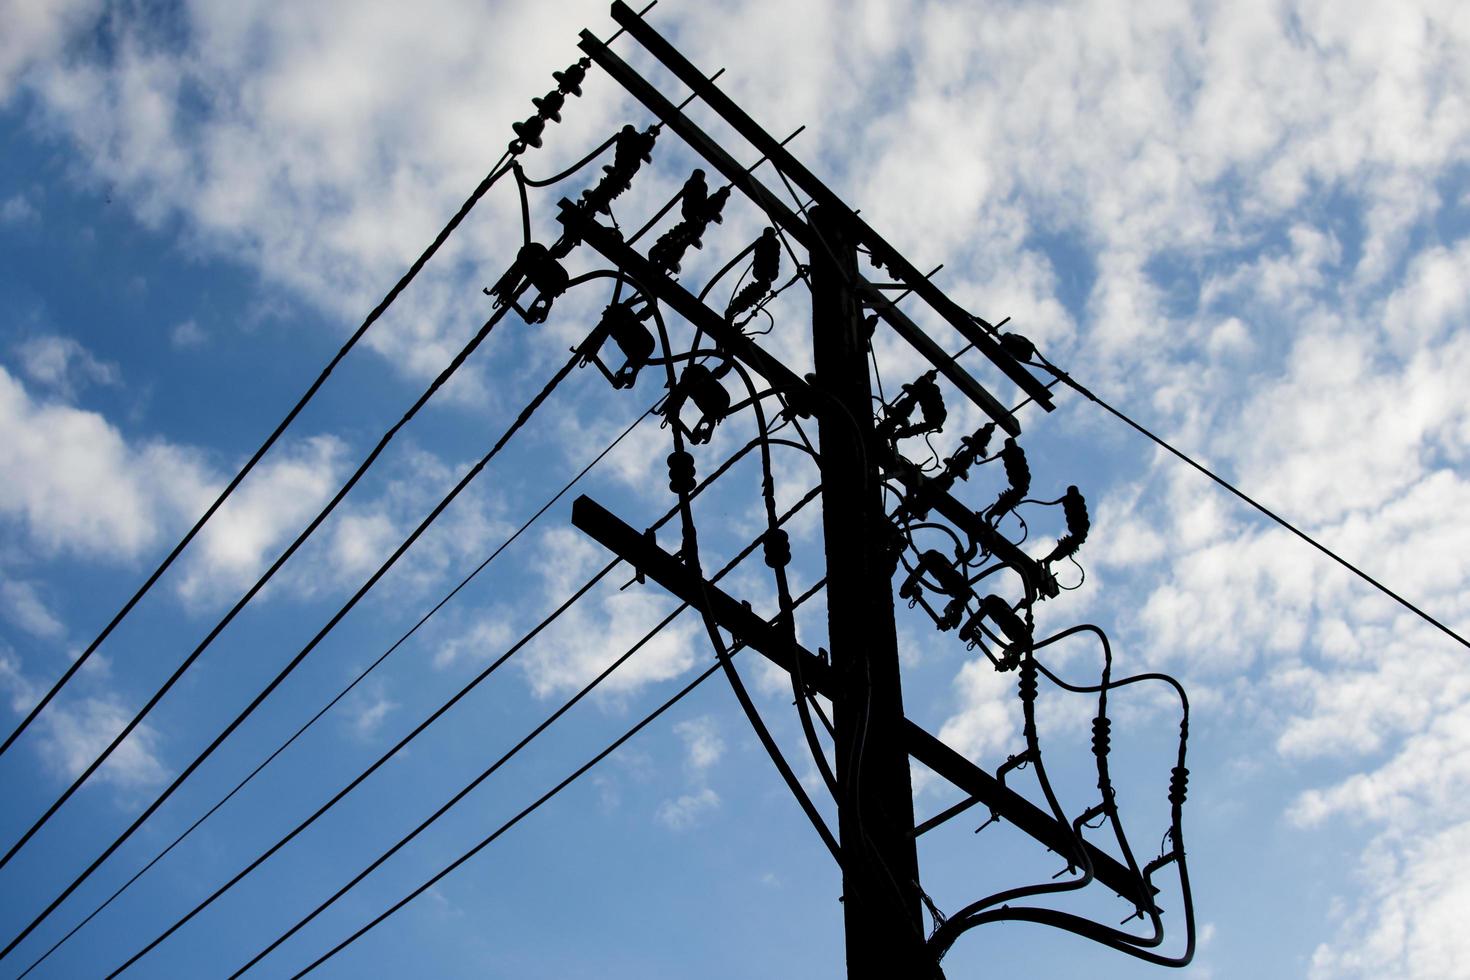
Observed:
{"x":1074,"y":507}
{"x":714,"y":207}
{"x":1013,"y":457}
{"x":766,"y":261}
{"x":972,"y":447}
{"x":777,"y":547}
{"x":570,"y":80}
{"x":1101,"y":736}
{"x":923,"y":392}
{"x":549,"y":105}
{"x":681,"y":472}
{"x":529,"y":132}
{"x":535,"y":265}
{"x":668,"y":252}
{"x":1178,"y":785}
{"x":1017,"y":346}
{"x":693,"y":197}
{"x":630,"y":149}
{"x":745,"y":298}
{"x":700,"y":385}
{"x":1027,"y":683}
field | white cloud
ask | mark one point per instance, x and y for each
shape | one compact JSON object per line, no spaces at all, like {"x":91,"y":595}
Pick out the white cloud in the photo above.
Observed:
{"x":702,"y":742}
{"x":62,"y":364}
{"x":685,"y":811}
{"x":187,"y":335}
{"x":87,"y":490}
{"x":600,"y":627}
{"x":17,"y":209}
{"x":23,"y":605}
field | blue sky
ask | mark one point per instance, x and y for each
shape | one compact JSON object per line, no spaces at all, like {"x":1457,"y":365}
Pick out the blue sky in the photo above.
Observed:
{"x":1242,"y":223}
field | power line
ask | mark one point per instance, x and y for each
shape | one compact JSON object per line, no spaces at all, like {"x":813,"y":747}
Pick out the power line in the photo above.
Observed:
{"x":219,"y":739}
{"x":509,"y":754}
{"x":527,"y":811}
{"x":465,"y":690}
{"x":260,"y":583}
{"x":495,"y":174}
{"x":1283,"y":522}
{"x":340,"y":694}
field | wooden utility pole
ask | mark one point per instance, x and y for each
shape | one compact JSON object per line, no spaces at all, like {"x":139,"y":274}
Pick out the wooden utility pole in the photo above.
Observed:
{"x":883,"y":920}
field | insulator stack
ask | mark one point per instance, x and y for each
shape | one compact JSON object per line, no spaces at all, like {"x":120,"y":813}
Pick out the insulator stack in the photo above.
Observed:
{"x":700,"y":209}
{"x":922,"y":393}
{"x":681,"y":472}
{"x":549,"y":106}
{"x":1013,"y":457}
{"x":1101,"y":736}
{"x":1074,"y":507}
{"x":631,"y":149}
{"x":1178,"y":785}
{"x":764,"y":267}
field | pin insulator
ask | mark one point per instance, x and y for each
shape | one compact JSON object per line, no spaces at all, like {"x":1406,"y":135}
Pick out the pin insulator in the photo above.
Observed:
{"x":681,"y":472}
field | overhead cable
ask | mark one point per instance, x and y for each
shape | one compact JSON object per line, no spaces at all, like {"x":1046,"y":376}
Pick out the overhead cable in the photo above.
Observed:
{"x":533,"y":807}
{"x":362,"y":675}
{"x":495,"y":174}
{"x":301,"y":655}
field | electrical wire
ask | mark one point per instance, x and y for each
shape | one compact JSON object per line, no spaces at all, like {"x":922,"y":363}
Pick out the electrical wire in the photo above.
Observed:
{"x":260,"y":583}
{"x":301,"y":655}
{"x":484,"y":186}
{"x":434,"y":716}
{"x":1232,"y":488}
{"x":362,"y":675}
{"x":508,"y":755}
{"x":527,"y":811}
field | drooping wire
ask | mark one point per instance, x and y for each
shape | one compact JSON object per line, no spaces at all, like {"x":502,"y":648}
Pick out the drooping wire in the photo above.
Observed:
{"x":301,"y":655}
{"x":689,"y":549}
{"x":496,"y":172}
{"x":508,"y":754}
{"x":434,"y":716}
{"x":361,"y":676}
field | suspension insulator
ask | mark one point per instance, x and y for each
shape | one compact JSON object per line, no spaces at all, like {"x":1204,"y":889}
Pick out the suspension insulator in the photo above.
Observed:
{"x":1178,"y":785}
{"x":1101,"y":736}
{"x":777,"y":546}
{"x":681,"y":472}
{"x":529,"y":132}
{"x":549,"y":105}
{"x":570,"y":80}
{"x":972,"y":447}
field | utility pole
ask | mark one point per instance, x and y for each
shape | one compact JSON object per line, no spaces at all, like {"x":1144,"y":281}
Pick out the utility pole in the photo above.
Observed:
{"x":882,"y":916}
{"x":872,"y":739}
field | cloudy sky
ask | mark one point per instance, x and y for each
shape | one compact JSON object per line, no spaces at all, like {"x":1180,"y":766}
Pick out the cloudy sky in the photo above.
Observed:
{"x":1245,"y":224}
